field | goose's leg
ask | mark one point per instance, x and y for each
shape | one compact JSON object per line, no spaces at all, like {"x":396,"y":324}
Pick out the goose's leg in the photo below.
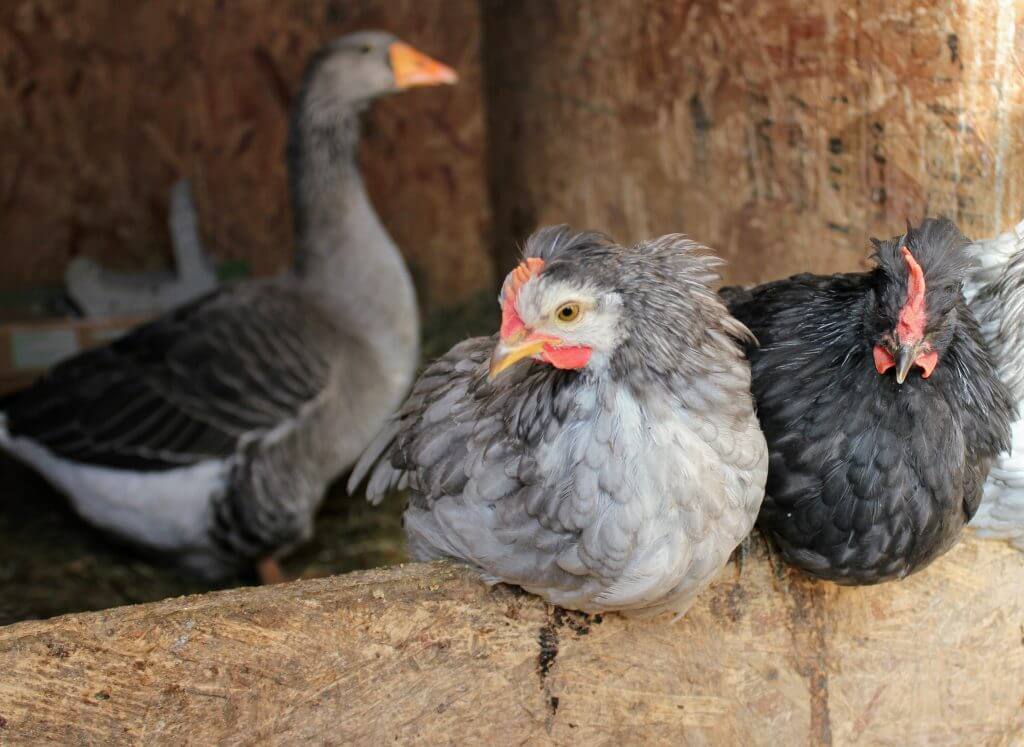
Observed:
{"x":269,"y":572}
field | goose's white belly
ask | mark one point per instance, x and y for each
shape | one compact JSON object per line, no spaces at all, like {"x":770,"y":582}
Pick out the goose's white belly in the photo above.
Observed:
{"x":167,"y":510}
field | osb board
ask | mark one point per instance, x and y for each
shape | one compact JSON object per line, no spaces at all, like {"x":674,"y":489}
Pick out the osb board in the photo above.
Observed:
{"x":427,"y":655}
{"x":781,"y":132}
{"x":104,"y":104}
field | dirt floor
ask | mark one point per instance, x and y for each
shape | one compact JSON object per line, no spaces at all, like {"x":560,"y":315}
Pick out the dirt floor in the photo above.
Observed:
{"x":52,"y":563}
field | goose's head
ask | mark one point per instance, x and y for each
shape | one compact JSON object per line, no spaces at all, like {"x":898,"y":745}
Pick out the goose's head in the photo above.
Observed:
{"x":357,"y":68}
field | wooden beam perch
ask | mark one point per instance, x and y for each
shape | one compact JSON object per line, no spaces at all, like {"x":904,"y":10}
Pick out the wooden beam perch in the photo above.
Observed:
{"x":426,"y":653}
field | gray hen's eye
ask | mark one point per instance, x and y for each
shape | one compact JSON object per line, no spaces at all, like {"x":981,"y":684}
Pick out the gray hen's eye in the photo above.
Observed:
{"x":568,"y":312}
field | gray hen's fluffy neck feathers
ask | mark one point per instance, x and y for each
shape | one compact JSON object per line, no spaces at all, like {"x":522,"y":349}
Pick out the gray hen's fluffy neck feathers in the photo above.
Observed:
{"x":676,"y":325}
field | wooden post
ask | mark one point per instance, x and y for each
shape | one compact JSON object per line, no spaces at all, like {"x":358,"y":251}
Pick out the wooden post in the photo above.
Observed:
{"x":427,"y":654}
{"x":780,"y":132}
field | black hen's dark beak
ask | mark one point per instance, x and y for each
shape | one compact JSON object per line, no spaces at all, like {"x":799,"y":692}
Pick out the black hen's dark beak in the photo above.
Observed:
{"x":905,"y":357}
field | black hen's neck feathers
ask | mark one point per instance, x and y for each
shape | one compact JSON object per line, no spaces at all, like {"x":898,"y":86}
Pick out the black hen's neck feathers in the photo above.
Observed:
{"x":937,"y":245}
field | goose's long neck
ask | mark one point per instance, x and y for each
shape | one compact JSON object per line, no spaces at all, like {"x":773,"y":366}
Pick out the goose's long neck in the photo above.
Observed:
{"x":344,"y":257}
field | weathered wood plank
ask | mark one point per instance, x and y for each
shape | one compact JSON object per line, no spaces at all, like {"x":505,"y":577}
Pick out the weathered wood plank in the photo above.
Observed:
{"x":427,"y":654}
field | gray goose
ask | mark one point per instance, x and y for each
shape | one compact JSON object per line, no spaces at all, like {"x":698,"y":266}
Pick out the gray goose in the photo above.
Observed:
{"x":210,"y":434}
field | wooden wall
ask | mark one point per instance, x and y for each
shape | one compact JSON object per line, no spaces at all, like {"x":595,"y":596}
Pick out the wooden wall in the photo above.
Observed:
{"x":781,"y":132}
{"x":103,"y":104}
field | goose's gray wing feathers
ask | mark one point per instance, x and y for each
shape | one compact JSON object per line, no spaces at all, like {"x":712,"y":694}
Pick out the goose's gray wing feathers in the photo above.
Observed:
{"x":189,"y":386}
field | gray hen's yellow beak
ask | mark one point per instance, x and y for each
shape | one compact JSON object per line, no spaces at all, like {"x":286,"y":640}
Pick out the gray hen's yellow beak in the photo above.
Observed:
{"x":514,"y":349}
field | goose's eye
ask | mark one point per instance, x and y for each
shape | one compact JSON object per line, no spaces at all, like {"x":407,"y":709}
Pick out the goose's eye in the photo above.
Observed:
{"x":366,"y":49}
{"x":568,"y":312}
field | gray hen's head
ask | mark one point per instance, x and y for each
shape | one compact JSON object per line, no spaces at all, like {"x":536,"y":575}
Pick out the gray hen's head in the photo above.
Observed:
{"x":357,"y":68}
{"x":579,"y":301}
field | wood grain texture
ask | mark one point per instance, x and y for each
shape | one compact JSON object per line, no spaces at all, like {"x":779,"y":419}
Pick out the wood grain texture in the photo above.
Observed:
{"x":104,"y":104}
{"x":782,"y":133}
{"x":427,"y":654}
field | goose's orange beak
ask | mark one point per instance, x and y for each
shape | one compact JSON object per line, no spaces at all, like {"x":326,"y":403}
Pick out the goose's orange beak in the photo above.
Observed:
{"x":413,"y":68}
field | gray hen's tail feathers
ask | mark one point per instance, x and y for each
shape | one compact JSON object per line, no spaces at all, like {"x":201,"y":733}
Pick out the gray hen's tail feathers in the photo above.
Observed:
{"x":381,"y":482}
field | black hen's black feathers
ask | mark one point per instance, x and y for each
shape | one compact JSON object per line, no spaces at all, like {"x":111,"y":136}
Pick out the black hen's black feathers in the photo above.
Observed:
{"x":869,"y":480}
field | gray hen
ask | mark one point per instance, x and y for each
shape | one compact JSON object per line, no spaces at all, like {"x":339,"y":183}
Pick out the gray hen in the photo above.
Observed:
{"x":995,"y":291}
{"x":618,"y":475}
{"x":211,"y":433}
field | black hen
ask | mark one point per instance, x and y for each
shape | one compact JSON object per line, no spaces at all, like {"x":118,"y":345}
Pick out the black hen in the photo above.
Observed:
{"x":881,"y":408}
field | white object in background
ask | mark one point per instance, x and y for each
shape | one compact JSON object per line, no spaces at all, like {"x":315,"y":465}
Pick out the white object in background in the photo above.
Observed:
{"x":100,"y":292}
